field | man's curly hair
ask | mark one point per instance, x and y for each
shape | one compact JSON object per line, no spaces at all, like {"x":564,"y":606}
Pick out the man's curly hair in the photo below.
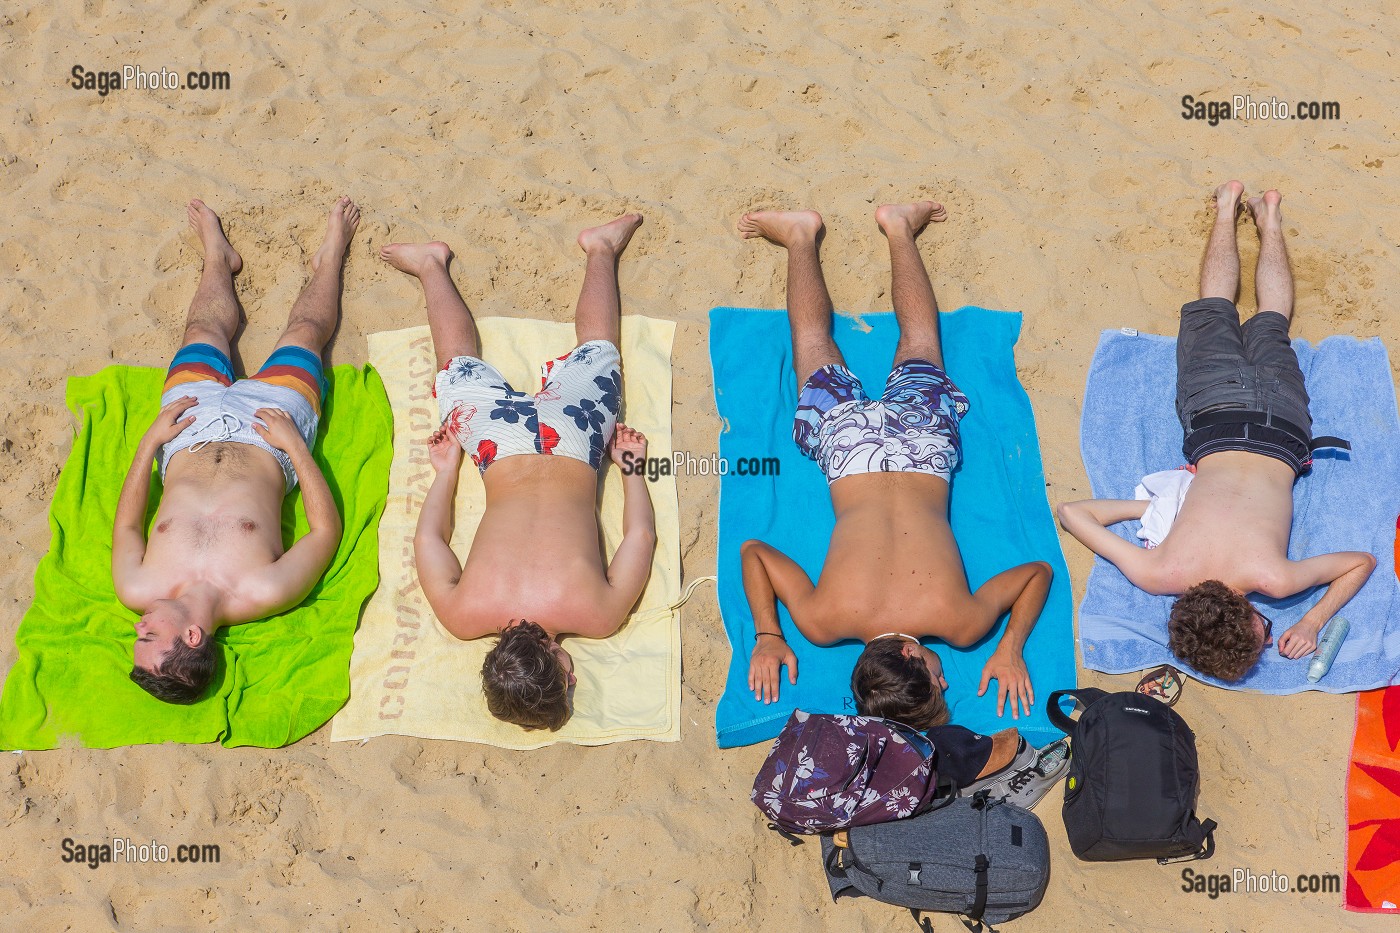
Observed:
{"x":524,"y":682}
{"x":182,"y":675}
{"x":1212,"y":628}
{"x":885,"y":683}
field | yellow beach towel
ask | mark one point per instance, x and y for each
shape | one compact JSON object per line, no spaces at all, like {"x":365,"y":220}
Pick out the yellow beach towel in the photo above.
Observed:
{"x":408,"y":676}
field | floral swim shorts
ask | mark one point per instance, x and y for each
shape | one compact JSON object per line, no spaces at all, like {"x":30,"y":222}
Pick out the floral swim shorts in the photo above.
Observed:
{"x":911,"y":428}
{"x":573,"y":414}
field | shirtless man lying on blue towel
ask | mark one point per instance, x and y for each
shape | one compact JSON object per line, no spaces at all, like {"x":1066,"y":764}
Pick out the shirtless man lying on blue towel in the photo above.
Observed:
{"x":1248,"y":434}
{"x":893,"y":573}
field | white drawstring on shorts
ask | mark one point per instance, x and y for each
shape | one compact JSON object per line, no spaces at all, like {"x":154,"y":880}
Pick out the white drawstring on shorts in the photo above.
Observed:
{"x":225,"y":432}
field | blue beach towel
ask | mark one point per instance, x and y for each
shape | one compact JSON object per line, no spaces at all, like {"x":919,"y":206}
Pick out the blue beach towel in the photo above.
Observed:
{"x":998,"y":510}
{"x":1348,"y":502}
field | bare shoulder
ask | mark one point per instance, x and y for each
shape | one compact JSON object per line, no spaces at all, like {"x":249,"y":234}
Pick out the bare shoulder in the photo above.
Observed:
{"x":1285,"y":578}
{"x":592,"y":611}
{"x":261,"y":592}
{"x":1165,"y":570}
{"x":960,"y":622}
{"x":136,"y":589}
{"x":467,"y":622}
{"x":822,"y":617}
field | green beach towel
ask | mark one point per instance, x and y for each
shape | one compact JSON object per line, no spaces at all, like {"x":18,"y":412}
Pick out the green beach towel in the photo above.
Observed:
{"x":278,"y":679}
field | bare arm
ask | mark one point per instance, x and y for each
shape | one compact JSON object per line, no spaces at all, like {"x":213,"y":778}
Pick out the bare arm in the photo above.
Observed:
{"x":1088,"y":521}
{"x":769,"y":574}
{"x":631,"y":563}
{"x":293,"y":575}
{"x":1023,"y":591}
{"x":1345,"y":572}
{"x":129,"y":528}
{"x":438,"y":568}
{"x":129,"y":523}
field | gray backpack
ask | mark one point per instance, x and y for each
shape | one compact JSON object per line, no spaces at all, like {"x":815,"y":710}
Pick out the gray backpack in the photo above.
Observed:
{"x":987,"y":860}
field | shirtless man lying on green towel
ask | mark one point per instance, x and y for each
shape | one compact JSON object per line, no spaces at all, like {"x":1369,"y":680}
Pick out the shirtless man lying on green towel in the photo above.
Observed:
{"x":535,"y":570}
{"x":229,"y":452}
{"x":1248,"y":435}
{"x":893,"y":573}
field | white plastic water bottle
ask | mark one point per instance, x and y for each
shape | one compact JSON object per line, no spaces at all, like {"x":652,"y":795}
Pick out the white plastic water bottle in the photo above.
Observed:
{"x":1327,"y":647}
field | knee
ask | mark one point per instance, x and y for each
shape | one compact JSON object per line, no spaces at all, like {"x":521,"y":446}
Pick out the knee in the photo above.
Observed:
{"x":815,"y":343}
{"x":811,"y":353}
{"x":200,"y":332}
{"x":308,"y":333}
{"x":918,"y":350}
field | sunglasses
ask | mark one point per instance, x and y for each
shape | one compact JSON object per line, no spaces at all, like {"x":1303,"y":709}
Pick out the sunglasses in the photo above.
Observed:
{"x":1268,"y":626}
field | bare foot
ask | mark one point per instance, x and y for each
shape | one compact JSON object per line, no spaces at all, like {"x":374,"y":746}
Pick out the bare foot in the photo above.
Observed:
{"x":340,"y":227}
{"x":784,"y":228}
{"x":1227,"y":197}
{"x":1265,"y":210}
{"x":205,"y":223}
{"x":415,"y":258}
{"x":612,"y":237}
{"x":909,"y":218}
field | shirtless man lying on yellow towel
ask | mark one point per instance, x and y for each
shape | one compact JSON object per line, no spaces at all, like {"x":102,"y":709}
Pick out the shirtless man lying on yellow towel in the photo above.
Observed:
{"x":535,"y":570}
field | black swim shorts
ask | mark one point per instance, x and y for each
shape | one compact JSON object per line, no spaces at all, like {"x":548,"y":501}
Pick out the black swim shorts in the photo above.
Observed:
{"x":1240,"y":387}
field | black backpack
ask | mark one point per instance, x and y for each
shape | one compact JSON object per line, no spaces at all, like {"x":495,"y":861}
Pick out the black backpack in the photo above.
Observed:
{"x":986,"y":860}
{"x":1133,"y":780}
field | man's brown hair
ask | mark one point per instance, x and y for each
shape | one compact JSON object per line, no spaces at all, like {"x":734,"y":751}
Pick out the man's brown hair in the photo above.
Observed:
{"x":1212,"y":629}
{"x":888,"y":684}
{"x":182,"y":675}
{"x":523,"y":680}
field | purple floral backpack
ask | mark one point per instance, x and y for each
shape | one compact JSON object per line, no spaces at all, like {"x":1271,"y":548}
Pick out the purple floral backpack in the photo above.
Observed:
{"x":832,"y":772}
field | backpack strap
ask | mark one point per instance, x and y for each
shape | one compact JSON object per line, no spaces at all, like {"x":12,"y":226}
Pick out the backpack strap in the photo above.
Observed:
{"x":792,"y":840}
{"x":950,"y":794}
{"x":832,"y":860}
{"x":979,"y":903}
{"x":1207,"y":845}
{"x":837,"y":871}
{"x":1085,"y":695}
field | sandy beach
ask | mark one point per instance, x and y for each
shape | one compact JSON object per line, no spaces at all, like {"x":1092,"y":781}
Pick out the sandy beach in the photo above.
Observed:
{"x":1077,"y":194}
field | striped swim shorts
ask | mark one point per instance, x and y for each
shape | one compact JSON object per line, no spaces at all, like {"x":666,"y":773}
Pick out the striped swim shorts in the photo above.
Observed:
{"x":293,"y":379}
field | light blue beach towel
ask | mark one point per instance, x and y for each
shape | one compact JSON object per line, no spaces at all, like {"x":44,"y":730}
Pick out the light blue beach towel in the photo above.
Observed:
{"x":1348,"y":502}
{"x":998,"y":509}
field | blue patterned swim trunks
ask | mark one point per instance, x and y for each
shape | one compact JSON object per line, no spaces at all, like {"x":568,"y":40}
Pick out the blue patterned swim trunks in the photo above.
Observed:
{"x":911,"y":428}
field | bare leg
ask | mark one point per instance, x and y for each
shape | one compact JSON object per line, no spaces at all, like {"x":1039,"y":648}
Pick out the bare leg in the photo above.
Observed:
{"x":599,"y":312}
{"x":808,"y":302}
{"x":1273,"y":278}
{"x":316,"y":312}
{"x":449,"y":320}
{"x":914,"y":305}
{"x":1220,"y":268}
{"x":214,"y":315}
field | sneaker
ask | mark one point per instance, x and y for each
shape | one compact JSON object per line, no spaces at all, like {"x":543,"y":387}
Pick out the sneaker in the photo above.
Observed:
{"x":1028,"y":786}
{"x":1028,"y":778}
